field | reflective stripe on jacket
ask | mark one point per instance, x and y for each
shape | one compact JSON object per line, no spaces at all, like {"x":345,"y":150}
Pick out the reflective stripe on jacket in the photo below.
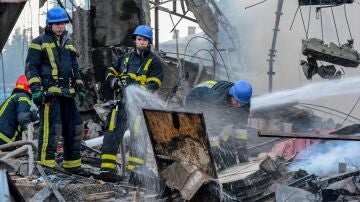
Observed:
{"x":14,"y":116}
{"x":51,"y":64}
{"x":146,"y":71}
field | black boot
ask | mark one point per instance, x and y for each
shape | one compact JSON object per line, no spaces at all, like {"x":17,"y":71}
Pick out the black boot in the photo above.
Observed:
{"x":79,"y":171}
{"x":145,"y":177}
{"x":108,"y":175}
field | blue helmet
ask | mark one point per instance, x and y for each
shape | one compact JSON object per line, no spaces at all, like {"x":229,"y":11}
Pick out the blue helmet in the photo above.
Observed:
{"x":145,"y":31}
{"x":55,"y":15}
{"x":241,"y":91}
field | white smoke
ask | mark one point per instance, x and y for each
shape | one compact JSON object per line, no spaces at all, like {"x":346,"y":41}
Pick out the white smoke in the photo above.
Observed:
{"x":323,"y":159}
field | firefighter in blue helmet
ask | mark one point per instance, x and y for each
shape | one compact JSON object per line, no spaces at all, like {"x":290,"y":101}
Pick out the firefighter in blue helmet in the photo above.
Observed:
{"x":225,"y":106}
{"x":15,"y":112}
{"x":140,"y":67}
{"x":54,"y":78}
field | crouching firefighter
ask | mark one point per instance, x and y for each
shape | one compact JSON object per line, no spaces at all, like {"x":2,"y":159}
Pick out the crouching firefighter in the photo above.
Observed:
{"x":54,"y":77}
{"x":139,"y":67}
{"x":15,"y":114}
{"x":225,"y":106}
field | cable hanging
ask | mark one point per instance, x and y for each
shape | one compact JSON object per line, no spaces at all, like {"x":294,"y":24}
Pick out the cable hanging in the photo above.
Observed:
{"x":308,"y":25}
{"x":319,"y":12}
{"x":351,"y":110}
{"x":222,"y":59}
{"x":293,"y":20}
{"x":303,"y":22}
{"x":337,"y":34}
{"x":347,"y":21}
{"x":329,"y":113}
{"x":334,"y":110}
{"x":213,"y":59}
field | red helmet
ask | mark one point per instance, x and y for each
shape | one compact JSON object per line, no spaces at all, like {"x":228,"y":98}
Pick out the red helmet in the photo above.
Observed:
{"x":22,"y":83}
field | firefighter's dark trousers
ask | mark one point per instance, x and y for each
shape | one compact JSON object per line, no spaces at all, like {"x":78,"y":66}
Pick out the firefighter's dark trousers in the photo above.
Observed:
{"x":116,"y":125}
{"x":59,"y":116}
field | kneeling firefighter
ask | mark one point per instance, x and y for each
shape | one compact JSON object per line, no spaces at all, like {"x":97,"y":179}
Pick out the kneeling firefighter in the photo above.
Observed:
{"x":15,"y":114}
{"x":225,"y":106}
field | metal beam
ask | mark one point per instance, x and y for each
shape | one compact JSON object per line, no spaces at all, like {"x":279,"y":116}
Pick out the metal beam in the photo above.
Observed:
{"x":273,"y":44}
{"x":157,"y":25}
{"x":56,"y":192}
{"x":63,"y":7}
{"x":314,"y":135}
{"x":177,"y":14}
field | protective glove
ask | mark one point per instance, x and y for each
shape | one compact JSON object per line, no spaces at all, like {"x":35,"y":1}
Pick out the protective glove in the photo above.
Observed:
{"x":37,"y":97}
{"x":115,"y":83}
{"x":81,"y":93}
{"x":82,"y":96}
{"x":34,"y":117}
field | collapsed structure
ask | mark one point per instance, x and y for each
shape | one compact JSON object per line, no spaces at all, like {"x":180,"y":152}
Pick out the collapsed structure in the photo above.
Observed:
{"x":180,"y":147}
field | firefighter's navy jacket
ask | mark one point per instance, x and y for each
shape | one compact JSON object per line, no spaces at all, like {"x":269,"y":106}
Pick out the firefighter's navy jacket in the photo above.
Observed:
{"x":213,"y":99}
{"x":145,"y":70}
{"x":14,"y":116}
{"x":51,"y":66}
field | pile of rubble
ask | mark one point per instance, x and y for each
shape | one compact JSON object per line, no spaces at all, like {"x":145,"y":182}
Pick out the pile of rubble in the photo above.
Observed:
{"x":185,"y":169}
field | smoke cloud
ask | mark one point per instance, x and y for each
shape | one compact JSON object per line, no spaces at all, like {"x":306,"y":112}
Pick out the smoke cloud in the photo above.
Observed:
{"x":323,"y":159}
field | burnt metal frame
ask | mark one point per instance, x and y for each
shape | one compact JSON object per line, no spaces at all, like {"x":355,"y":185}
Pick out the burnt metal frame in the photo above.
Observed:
{"x":310,"y":135}
{"x":153,"y":142}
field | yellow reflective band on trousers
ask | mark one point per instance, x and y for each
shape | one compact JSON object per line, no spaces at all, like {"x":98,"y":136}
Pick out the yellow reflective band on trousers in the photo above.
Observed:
{"x":136,"y":127}
{"x":45,"y":137}
{"x":72,"y":163}
{"x":108,"y":165}
{"x":50,"y":53}
{"x":5,"y":138}
{"x":48,"y":163}
{"x":136,"y":160}
{"x":215,"y":143}
{"x":25,"y":99}
{"x":108,"y":157}
{"x":112,"y":120}
{"x":3,"y":108}
{"x":57,"y":90}
{"x":131,"y":167}
{"x":34,"y":80}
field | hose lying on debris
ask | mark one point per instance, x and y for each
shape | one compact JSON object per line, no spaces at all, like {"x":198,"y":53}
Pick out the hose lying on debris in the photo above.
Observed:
{"x":18,"y":143}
